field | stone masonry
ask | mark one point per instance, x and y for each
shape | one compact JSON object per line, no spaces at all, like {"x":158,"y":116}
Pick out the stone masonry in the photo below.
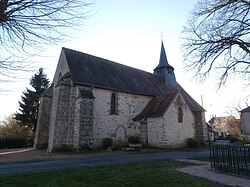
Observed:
{"x":83,"y":128}
{"x":167,"y":132}
{"x":200,"y":126}
{"x":42,"y":132}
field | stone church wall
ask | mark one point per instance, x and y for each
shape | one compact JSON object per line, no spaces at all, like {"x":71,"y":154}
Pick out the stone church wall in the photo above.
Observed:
{"x":81,"y":121}
{"x":43,"y":121}
{"x":83,"y":127}
{"x":53,"y":119}
{"x":62,"y":120}
{"x":167,"y":132}
{"x":120,"y":126}
{"x":62,"y":109}
{"x":201,"y":133}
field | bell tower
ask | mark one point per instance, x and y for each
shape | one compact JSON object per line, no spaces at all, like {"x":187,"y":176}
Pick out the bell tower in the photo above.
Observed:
{"x":164,"y":70}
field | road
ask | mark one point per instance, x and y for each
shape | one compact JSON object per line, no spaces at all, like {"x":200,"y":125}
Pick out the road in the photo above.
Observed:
{"x":93,"y":161}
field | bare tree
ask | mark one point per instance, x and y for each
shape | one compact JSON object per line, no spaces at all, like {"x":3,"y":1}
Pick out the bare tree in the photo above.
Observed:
{"x":29,"y":25}
{"x":235,"y":108}
{"x":217,"y":39}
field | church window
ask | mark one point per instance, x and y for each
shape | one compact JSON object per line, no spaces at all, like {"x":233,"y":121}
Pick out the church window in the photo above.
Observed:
{"x":114,"y":104}
{"x":180,"y":115}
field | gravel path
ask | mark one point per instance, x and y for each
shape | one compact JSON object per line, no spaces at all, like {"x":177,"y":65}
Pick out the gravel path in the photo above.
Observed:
{"x":204,"y":171}
{"x":29,"y":154}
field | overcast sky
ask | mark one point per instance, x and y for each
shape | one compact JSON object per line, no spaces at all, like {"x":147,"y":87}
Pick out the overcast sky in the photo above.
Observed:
{"x":130,"y":32}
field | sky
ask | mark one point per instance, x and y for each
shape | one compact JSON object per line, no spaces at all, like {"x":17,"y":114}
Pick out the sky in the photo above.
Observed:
{"x":130,"y":32}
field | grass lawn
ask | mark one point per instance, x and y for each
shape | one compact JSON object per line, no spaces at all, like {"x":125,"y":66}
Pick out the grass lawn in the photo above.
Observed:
{"x":160,"y":173}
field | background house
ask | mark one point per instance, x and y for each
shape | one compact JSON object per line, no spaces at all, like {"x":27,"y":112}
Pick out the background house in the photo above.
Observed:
{"x":225,"y":126}
{"x":245,"y":122}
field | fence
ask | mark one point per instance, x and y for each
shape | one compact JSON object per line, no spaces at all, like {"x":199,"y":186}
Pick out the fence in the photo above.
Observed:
{"x":230,"y":158}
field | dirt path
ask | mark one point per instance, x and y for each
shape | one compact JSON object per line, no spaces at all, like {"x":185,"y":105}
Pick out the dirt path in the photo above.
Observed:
{"x":203,"y":170}
{"x":28,"y":154}
{"x":25,"y":154}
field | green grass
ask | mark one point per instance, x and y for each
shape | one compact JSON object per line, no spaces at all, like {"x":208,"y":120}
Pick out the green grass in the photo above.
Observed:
{"x":160,"y":173}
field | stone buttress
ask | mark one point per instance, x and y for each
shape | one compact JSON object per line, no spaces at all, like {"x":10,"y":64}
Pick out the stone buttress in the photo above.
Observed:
{"x":83,"y":128}
{"x":43,"y":120}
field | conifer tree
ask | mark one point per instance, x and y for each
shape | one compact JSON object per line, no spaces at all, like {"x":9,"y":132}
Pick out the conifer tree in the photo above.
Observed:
{"x":29,"y":104}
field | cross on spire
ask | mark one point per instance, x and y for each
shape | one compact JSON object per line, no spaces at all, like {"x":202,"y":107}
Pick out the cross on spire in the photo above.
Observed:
{"x":161,"y":36}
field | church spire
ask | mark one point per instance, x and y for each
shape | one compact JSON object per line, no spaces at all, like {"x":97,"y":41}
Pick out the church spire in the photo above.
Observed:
{"x":163,"y":57}
{"x":164,"y":70}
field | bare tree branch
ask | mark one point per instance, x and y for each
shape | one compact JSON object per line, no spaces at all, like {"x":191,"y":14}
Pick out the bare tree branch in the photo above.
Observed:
{"x":217,"y":37}
{"x":28,"y":26}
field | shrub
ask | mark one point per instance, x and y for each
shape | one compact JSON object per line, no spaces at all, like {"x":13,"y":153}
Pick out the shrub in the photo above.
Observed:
{"x":107,"y":142}
{"x":16,"y":141}
{"x":14,"y":134}
{"x":134,"y":139}
{"x":192,"y":143}
{"x":234,"y":139}
{"x":241,"y":142}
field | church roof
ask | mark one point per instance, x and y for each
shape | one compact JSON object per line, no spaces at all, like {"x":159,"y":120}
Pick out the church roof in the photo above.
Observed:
{"x":160,"y":103}
{"x":93,"y":71}
{"x":90,"y":70}
{"x":245,"y":110}
{"x":157,"y":106}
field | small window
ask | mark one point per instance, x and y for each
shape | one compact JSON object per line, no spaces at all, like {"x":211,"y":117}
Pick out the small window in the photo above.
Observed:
{"x":180,"y":115}
{"x":114,"y":104}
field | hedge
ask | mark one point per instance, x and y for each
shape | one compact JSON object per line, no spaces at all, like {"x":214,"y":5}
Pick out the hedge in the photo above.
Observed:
{"x":16,"y":141}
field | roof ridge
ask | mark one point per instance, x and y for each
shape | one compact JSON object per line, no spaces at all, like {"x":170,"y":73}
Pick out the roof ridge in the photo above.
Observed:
{"x":63,"y":48}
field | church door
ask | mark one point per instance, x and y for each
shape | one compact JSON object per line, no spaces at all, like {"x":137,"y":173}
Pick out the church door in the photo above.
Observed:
{"x":120,"y":136}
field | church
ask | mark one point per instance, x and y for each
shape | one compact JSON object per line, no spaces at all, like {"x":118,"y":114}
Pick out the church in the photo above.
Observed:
{"x":92,"y":98}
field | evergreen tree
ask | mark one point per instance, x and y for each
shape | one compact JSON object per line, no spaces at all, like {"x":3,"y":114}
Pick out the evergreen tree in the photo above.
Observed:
{"x":29,"y":104}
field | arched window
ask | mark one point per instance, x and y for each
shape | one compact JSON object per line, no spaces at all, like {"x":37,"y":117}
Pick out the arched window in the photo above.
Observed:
{"x":59,"y":77}
{"x":180,"y":115}
{"x":114,"y":104}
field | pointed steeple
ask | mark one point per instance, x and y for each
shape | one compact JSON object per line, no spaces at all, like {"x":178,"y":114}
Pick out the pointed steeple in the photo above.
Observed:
{"x":164,"y":70}
{"x":163,"y":57}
